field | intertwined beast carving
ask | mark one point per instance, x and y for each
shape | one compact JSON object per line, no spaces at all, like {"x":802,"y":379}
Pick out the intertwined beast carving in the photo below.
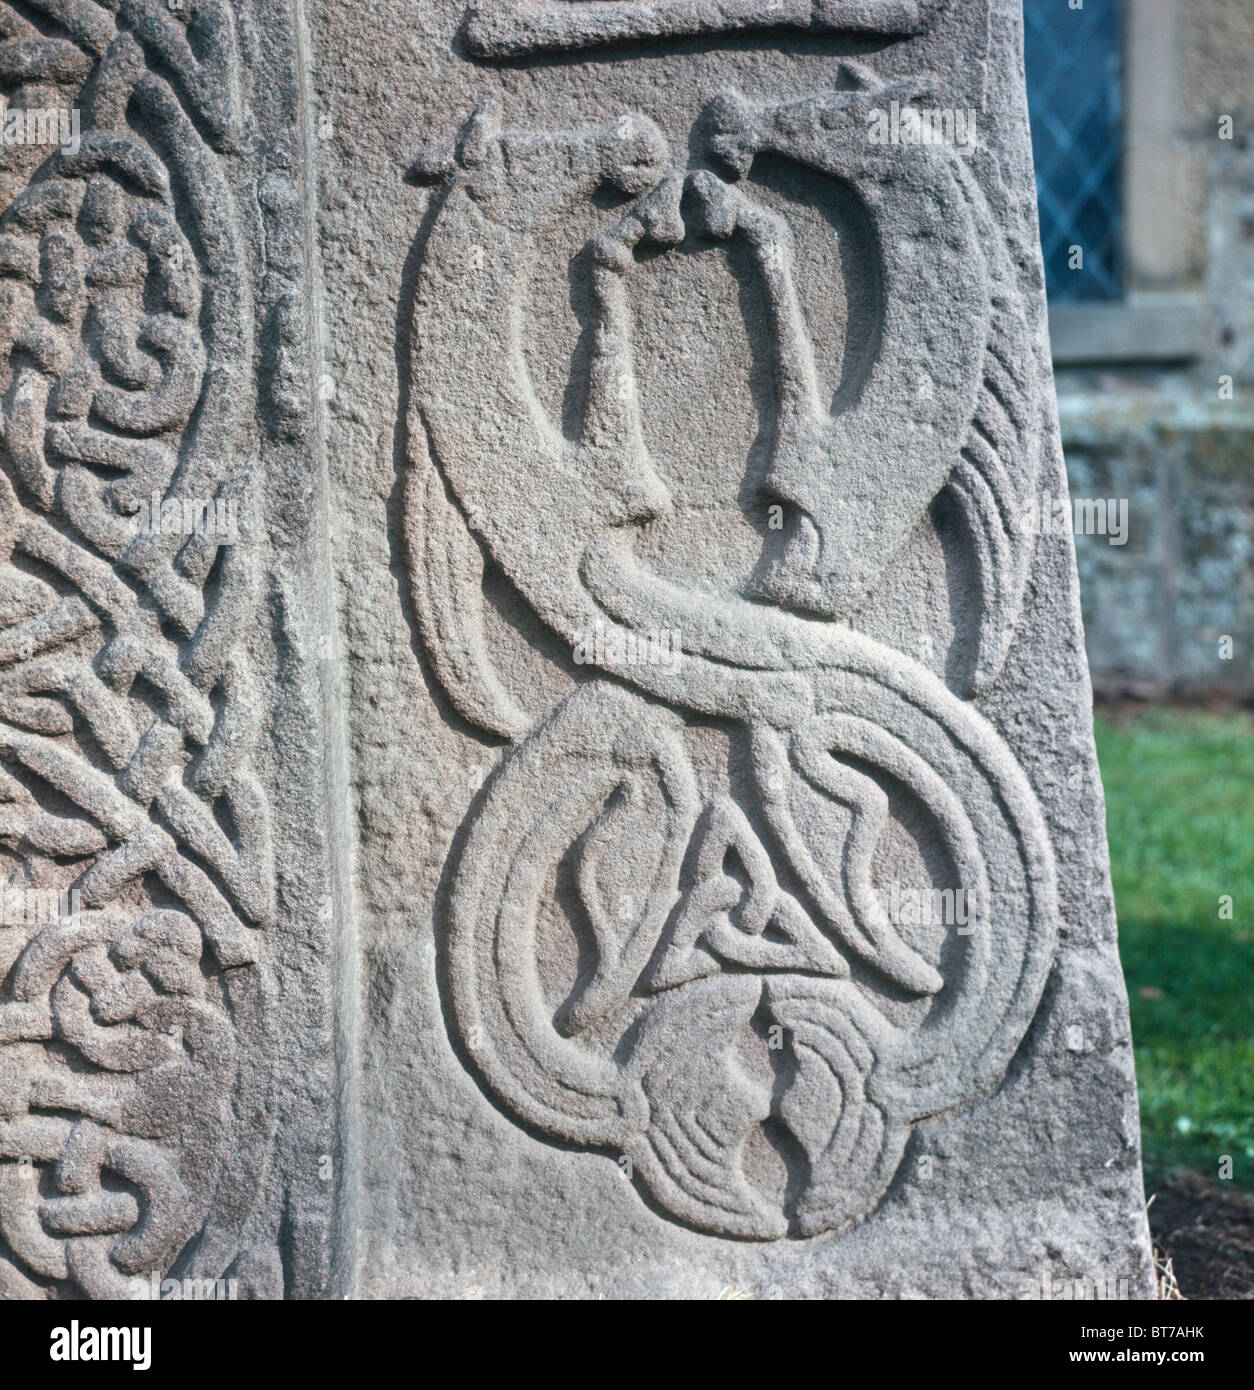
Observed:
{"x":695,"y":939}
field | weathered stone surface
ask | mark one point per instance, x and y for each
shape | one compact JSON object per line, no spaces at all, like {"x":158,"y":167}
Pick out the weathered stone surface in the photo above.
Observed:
{"x":1166,"y":604}
{"x":647,"y":293}
{"x":165,"y":1030}
{"x":671,"y":858}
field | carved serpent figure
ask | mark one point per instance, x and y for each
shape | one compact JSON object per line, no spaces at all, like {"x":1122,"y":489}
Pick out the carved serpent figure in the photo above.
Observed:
{"x":643,"y":1059}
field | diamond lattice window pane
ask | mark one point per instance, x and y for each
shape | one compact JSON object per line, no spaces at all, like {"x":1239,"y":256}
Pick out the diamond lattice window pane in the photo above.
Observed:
{"x":1074,"y":65}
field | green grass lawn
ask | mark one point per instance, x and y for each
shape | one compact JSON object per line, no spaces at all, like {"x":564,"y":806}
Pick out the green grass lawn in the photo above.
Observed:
{"x":1180,"y":814}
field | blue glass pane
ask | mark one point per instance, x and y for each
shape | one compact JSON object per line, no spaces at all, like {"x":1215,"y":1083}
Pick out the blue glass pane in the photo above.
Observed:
{"x":1074,"y":63}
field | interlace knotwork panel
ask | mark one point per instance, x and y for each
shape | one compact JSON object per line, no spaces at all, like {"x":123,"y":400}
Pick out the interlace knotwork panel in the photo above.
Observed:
{"x":136,"y":834}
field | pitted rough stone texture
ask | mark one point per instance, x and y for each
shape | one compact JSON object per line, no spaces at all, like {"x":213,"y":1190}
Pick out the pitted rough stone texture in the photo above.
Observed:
{"x":165,"y":1040}
{"x":682,"y":434}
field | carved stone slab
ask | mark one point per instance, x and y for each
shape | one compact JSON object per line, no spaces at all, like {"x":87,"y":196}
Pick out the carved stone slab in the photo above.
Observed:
{"x":685,"y":409}
{"x":553,"y":763}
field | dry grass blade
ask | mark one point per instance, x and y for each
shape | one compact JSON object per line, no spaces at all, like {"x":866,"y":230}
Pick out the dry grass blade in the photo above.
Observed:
{"x":1165,"y":1286}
